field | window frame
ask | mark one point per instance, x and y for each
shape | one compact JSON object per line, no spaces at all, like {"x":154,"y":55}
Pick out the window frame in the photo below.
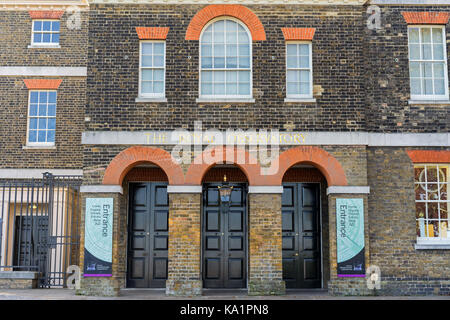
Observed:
{"x":45,"y":44}
{"x":225,"y":96}
{"x":40,"y":144}
{"x":445,"y":96}
{"x":151,"y":95}
{"x":300,"y":96}
{"x":428,"y":239}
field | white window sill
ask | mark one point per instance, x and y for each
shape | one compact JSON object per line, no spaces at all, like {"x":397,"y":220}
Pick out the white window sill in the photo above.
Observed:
{"x":445,"y":102}
{"x":430,"y":244}
{"x":43,"y":46}
{"x":300,"y":100}
{"x":39,"y":147}
{"x":225,"y":100}
{"x":148,"y":99}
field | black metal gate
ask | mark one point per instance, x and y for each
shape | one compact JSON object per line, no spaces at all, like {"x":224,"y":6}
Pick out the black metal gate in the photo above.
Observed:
{"x":39,"y":226}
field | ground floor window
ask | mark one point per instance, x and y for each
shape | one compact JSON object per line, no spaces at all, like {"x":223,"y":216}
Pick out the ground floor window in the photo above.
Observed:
{"x":432,"y":202}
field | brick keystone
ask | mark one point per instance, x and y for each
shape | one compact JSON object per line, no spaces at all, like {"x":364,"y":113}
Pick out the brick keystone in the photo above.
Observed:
{"x":429,"y":156}
{"x":46,"y":14}
{"x":426,"y":17}
{"x":42,"y":83}
{"x":298,"y":34}
{"x":232,"y":10}
{"x":152,"y":33}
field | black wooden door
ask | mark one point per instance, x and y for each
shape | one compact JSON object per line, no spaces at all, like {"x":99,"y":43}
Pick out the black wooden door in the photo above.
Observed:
{"x":224,"y":238}
{"x":31,"y":242}
{"x":148,"y":235}
{"x":301,"y":235}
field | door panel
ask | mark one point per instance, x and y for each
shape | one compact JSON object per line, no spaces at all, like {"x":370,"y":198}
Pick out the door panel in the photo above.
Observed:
{"x":301,"y":235}
{"x":148,"y":237}
{"x":224,"y":239}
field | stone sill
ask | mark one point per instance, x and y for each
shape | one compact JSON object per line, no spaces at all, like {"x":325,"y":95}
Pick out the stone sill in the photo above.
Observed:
{"x":39,"y":147}
{"x":225,"y":100}
{"x":425,"y":102}
{"x":435,"y":245}
{"x":25,"y":275}
{"x":300,"y":100}
{"x":36,"y":46}
{"x":151,"y":100}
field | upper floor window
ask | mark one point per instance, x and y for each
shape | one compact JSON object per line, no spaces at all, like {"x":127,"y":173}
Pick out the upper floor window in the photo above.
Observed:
{"x":41,"y":118}
{"x":45,"y":32}
{"x":152,"y":69}
{"x":225,"y":60}
{"x":432,"y":182}
{"x":428,"y":62}
{"x":299,"y":70}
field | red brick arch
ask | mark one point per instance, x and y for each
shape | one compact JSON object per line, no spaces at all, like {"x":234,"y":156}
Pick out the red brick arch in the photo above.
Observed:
{"x":200,"y":167}
{"x":127,"y":159}
{"x":322,"y":160}
{"x":233,"y":10}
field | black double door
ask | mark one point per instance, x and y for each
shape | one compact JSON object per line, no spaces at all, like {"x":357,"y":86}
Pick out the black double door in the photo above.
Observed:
{"x":224,"y":238}
{"x":301,"y":235}
{"x":148,"y":235}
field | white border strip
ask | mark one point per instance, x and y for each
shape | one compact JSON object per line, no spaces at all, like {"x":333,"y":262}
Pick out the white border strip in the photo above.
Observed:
{"x":348,"y":189}
{"x":184,"y":189}
{"x":309,"y":138}
{"x":265,"y":189}
{"x":20,"y":173}
{"x":102,"y":188}
{"x":44,"y":71}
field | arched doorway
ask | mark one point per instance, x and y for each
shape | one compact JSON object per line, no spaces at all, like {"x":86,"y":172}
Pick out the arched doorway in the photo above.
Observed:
{"x":224,"y":229}
{"x":304,"y":228}
{"x":145,"y":185}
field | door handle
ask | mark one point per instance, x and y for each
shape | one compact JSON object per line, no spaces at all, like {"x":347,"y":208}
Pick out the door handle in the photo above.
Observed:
{"x":295,"y":255}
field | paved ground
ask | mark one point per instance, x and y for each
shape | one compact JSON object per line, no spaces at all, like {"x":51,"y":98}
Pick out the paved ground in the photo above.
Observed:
{"x":142,"y":294}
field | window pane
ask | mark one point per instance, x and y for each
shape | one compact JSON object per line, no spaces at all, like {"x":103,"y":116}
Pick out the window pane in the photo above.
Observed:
{"x":55,"y":38}
{"x":293,"y":76}
{"x":219,"y":26}
{"x":47,"y":26}
{"x":42,"y":110}
{"x":219,"y":50}
{"x":207,"y":37}
{"x":206,"y":50}
{"x":52,"y":97}
{"x":243,"y":37}
{"x":415,"y":86}
{"x":232,"y":88}
{"x":426,"y":35}
{"x":207,"y":76}
{"x":147,"y":61}
{"x":437,"y":35}
{"x":232,"y":50}
{"x":244,"y":50}
{"x":146,"y":87}
{"x":231,"y":37}
{"x":438,"y":52}
{"x":426,"y":52}
{"x":33,"y":123}
{"x":46,"y":37}
{"x":291,"y":49}
{"x":244,"y":88}
{"x":34,"y":97}
{"x":244,"y":76}
{"x":55,"y":26}
{"x":37,"y":25}
{"x":42,"y":123}
{"x":232,"y":26}
{"x":413,"y":35}
{"x":414,"y":51}
{"x":207,"y":88}
{"x":232,"y":76}
{"x":219,"y":63}
{"x":32,"y":136}
{"x":147,"y":48}
{"x":206,"y":62}
{"x":219,"y":88}
{"x":158,"y":61}
{"x":37,"y":38}
{"x":219,"y":76}
{"x":439,"y":86}
{"x":304,"y":87}
{"x":428,"y":86}
{"x":427,"y":71}
{"x":293,"y":88}
{"x":304,"y":76}
{"x":304,"y":62}
{"x":41,"y":135}
{"x":51,"y":110}
{"x":33,"y":109}
{"x":158,"y":75}
{"x":304,"y":50}
{"x":51,"y":136}
{"x":147,"y":75}
{"x":244,"y":62}
{"x":51,"y":123}
{"x":158,"y":87}
{"x":292,"y":62}
{"x":158,"y":48}
{"x":414,"y":70}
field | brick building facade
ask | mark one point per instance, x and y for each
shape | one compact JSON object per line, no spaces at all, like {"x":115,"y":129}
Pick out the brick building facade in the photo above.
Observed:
{"x":353,"y":95}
